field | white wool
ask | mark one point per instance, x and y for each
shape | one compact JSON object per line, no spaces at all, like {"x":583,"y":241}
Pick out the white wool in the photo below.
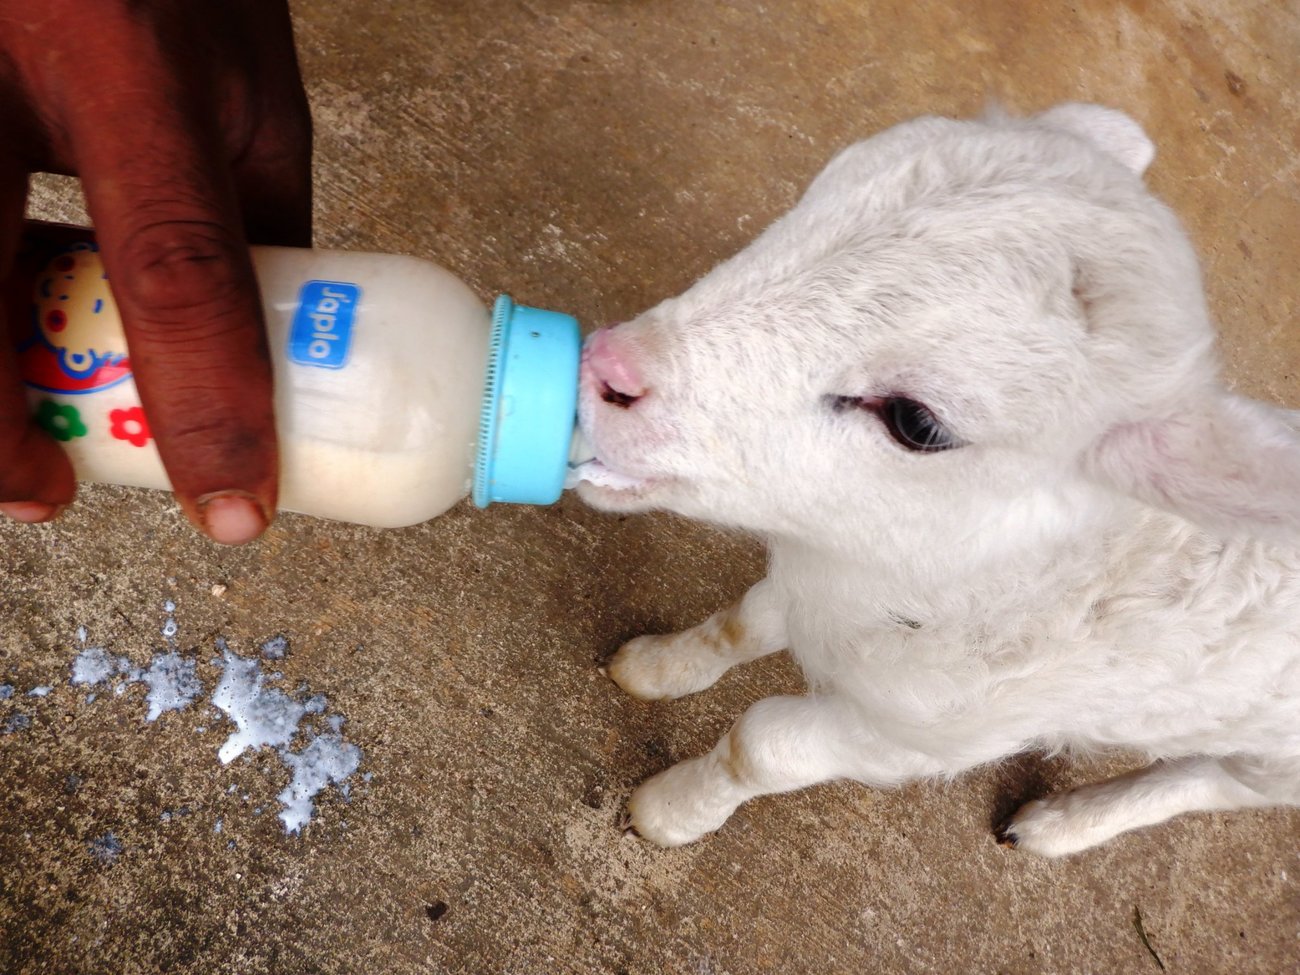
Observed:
{"x":1110,"y":558}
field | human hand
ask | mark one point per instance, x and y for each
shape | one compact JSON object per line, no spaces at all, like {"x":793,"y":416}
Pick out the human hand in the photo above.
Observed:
{"x":189,"y":128}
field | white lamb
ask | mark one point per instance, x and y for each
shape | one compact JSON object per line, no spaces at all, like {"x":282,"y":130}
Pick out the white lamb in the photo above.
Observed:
{"x":967,"y":393}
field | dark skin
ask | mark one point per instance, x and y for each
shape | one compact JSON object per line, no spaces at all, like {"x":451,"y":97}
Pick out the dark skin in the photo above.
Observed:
{"x":187,"y":123}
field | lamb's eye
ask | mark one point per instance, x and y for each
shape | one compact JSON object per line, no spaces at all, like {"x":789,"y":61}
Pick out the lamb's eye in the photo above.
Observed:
{"x":914,"y":426}
{"x":910,"y":423}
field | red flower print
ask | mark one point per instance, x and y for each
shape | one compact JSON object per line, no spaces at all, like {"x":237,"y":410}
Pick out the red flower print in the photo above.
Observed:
{"x":130,"y":425}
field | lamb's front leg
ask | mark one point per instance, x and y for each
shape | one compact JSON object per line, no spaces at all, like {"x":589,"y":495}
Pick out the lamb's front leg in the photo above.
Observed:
{"x":1069,"y":822}
{"x":656,"y":668}
{"x":779,"y":744}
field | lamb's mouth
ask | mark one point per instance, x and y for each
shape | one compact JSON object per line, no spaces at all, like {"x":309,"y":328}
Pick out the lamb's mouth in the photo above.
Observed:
{"x":595,"y":473}
{"x":603,"y":486}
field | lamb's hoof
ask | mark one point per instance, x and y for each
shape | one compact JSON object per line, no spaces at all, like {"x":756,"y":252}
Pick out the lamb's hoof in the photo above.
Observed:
{"x":662,"y":668}
{"x":679,"y":805}
{"x":1005,"y":834}
{"x":1061,"y":824}
{"x":626,"y":827}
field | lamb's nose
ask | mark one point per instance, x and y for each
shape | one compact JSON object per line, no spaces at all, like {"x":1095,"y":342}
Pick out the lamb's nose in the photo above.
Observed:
{"x":609,"y":367}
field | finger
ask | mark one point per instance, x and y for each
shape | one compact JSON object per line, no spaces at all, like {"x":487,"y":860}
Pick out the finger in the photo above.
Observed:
{"x":164,"y":207}
{"x":273,"y":173}
{"x":36,"y":479}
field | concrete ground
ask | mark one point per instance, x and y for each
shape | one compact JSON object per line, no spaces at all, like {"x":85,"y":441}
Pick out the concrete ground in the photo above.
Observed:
{"x":597,"y":157}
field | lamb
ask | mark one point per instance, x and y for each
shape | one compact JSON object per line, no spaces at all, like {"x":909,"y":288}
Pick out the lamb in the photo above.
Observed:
{"x":967,"y":393}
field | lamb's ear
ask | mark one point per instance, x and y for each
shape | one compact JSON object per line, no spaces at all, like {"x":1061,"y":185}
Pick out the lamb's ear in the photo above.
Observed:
{"x":1227,"y":463}
{"x":1110,"y":130}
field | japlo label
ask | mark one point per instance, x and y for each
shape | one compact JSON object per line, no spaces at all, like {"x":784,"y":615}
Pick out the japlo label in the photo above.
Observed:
{"x":322,"y":326}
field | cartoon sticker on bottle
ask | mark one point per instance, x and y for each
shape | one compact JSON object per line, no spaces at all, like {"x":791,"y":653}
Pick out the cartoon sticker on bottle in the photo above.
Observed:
{"x":77,"y":343}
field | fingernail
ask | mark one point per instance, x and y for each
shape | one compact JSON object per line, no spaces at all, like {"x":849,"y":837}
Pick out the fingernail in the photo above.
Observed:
{"x":231,"y":518}
{"x":30,"y":512}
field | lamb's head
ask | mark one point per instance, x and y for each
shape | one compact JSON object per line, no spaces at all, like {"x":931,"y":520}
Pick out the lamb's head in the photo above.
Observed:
{"x":965,"y":331}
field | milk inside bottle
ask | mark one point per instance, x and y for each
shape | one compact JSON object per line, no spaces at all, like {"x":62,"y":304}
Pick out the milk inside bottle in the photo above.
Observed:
{"x":397,"y":392}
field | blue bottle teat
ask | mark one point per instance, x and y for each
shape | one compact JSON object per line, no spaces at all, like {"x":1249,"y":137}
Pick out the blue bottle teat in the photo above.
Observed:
{"x":530,"y":401}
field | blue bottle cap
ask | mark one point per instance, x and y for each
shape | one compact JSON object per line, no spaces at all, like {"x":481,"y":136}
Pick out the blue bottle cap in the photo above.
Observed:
{"x":530,"y":405}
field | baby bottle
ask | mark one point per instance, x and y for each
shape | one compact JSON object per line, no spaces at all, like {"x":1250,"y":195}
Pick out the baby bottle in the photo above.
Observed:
{"x":396,"y":391}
